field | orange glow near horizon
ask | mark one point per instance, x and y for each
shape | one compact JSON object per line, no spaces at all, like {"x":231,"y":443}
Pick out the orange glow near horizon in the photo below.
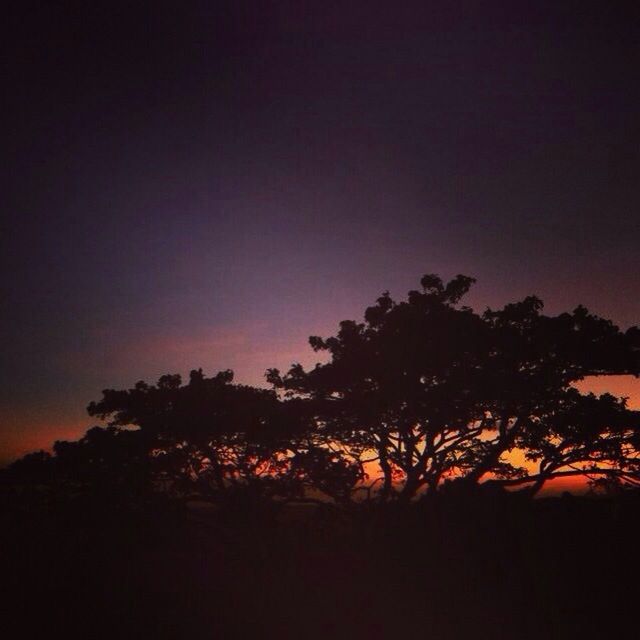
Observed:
{"x":620,"y":386}
{"x":36,"y":431}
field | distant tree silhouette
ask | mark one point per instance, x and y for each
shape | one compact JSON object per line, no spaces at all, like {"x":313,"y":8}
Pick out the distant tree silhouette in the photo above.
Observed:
{"x":436,"y":391}
{"x":106,"y":464}
{"x":205,"y":436}
{"x":210,"y":436}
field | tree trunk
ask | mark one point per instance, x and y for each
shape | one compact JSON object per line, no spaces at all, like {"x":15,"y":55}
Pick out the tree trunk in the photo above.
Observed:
{"x":387,"y":485}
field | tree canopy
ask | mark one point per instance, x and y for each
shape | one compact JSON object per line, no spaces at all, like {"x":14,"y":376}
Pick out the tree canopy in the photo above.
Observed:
{"x":423,"y":394}
{"x":437,"y":391}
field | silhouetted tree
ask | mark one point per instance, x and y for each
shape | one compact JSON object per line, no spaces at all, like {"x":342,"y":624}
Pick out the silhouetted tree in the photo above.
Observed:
{"x":423,"y":391}
{"x":110,"y":464}
{"x":434,"y":391}
{"x":210,"y":435}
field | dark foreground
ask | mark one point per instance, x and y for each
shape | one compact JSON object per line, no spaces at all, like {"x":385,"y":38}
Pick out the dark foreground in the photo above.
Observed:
{"x":487,"y":567}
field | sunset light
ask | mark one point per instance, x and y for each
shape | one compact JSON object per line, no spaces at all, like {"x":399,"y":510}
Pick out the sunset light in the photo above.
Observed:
{"x":321,"y":320}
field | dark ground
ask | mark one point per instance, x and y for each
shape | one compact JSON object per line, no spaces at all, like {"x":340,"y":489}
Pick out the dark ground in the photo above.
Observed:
{"x":488,"y":567}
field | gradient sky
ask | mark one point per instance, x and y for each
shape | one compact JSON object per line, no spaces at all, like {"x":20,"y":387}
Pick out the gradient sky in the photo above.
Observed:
{"x":205,"y":184}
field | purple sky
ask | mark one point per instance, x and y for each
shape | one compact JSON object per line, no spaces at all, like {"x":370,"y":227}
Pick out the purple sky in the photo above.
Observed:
{"x":209,"y":183}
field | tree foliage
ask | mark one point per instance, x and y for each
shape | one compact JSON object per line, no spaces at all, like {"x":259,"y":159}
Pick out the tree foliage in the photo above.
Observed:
{"x":422,"y":393}
{"x":438,"y":391}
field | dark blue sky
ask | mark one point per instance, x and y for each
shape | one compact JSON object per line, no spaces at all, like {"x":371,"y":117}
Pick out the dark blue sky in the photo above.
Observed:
{"x":208,"y":183}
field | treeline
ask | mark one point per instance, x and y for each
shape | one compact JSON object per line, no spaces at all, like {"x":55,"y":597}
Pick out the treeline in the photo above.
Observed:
{"x":425,"y":395}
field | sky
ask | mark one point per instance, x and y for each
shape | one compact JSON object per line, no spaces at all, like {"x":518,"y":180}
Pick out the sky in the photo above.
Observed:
{"x":206,"y":184}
